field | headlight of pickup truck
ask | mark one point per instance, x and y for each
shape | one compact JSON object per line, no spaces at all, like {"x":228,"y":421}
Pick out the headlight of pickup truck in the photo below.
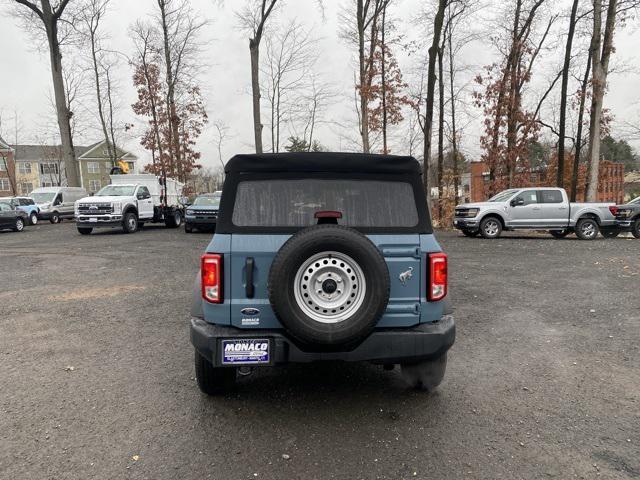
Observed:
{"x":467,"y":212}
{"x":117,"y":207}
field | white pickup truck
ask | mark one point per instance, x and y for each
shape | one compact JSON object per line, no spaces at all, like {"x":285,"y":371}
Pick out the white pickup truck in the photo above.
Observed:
{"x":129,"y":202}
{"x":536,"y":209}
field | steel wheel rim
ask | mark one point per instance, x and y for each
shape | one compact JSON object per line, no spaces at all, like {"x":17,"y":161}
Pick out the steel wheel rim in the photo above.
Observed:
{"x":34,"y":219}
{"x":491,"y":228}
{"x":19,"y":225}
{"x":318,"y":276}
{"x":132,"y":223}
{"x":178,"y":218}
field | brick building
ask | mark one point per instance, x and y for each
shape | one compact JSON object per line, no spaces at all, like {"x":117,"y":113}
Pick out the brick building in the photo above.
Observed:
{"x":610,"y":185}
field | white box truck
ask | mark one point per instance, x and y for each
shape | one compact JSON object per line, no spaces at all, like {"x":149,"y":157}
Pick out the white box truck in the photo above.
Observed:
{"x":129,"y":202}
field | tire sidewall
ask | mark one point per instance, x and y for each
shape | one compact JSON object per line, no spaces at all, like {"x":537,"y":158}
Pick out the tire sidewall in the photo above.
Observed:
{"x":125,"y":222}
{"x":33,"y":218}
{"x":636,"y":228}
{"x":19,"y":224}
{"x":579,"y":225}
{"x":296,"y":251}
{"x":55,"y":218}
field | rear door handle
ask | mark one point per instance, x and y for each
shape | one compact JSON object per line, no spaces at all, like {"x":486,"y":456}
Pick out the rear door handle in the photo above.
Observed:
{"x":249,"y":288}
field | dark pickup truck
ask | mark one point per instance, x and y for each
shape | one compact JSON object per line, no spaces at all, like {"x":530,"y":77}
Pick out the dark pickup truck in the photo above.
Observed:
{"x":628,"y":217}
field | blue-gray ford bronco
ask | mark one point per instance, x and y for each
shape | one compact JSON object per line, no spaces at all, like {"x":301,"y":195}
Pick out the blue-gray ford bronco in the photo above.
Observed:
{"x":322,"y":257}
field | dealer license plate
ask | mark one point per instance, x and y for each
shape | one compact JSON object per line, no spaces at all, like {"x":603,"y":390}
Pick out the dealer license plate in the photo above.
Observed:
{"x":93,"y":220}
{"x":247,"y":351}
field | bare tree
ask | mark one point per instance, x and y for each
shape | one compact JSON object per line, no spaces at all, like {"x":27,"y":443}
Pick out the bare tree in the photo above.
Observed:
{"x":368,"y":13}
{"x":290,"y":55}
{"x":563,"y":93}
{"x":427,"y":125}
{"x":601,"y":49}
{"x":50,"y":15}
{"x":179,"y":27}
{"x":101,"y":67}
{"x":253,"y":18}
{"x":578,"y":142}
{"x":221,"y":135}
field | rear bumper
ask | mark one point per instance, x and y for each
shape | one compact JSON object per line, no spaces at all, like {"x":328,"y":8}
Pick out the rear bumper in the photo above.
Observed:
{"x":625,"y":225}
{"x":423,"y":342}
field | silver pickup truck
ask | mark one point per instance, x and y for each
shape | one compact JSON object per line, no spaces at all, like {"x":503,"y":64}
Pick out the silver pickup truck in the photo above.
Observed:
{"x":536,"y":209}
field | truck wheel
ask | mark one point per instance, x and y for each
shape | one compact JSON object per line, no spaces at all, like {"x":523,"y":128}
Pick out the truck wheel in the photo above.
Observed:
{"x":470,"y":233}
{"x":329,"y":286}
{"x":55,"y":217}
{"x":587,"y":229}
{"x":490,"y":228}
{"x":559,"y":233}
{"x":636,"y":228}
{"x":33,"y":218}
{"x":130,"y":222}
{"x":212,"y":380}
{"x":85,"y":230}
{"x":610,"y":233}
{"x":425,"y":375}
{"x":174,"y":220}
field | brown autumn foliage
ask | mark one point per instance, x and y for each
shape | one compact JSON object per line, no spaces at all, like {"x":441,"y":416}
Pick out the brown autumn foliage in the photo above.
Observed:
{"x":192,"y":117}
{"x":509,"y":129}
{"x":393,"y":92}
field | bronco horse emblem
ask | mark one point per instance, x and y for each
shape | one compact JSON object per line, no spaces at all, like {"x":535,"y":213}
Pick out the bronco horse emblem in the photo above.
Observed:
{"x":405,"y":276}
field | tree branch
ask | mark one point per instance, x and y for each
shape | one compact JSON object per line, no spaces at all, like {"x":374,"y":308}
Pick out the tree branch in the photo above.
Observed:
{"x":32,"y":6}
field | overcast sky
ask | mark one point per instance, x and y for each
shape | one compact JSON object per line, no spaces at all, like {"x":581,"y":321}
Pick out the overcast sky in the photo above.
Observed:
{"x":25,"y":81}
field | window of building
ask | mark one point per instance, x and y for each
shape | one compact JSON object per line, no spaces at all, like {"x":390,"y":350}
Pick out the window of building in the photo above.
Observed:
{"x":45,"y":184}
{"x":49,"y":168}
{"x":130,"y":165}
{"x":93,"y":167}
{"x":4,"y":184}
{"x":3,"y":168}
{"x":24,"y":167}
{"x":94,"y":185}
{"x":26,"y":188}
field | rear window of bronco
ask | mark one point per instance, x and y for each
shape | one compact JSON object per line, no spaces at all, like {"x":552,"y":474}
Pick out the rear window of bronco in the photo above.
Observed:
{"x":294,"y":202}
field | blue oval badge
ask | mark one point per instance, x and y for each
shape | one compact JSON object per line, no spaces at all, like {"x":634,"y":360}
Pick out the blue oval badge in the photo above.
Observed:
{"x":251,"y":312}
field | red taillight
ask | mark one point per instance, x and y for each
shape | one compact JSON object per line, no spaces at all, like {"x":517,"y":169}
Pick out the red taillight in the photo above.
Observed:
{"x":212,"y":281}
{"x":437,"y":280}
{"x":614,"y":211}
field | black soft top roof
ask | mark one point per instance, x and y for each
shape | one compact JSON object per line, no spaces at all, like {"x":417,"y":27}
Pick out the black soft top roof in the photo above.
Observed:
{"x":322,"y":162}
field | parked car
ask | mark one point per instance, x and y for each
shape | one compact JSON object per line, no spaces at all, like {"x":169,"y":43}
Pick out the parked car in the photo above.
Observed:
{"x":56,"y":203}
{"x":26,"y":205}
{"x":129,"y":202}
{"x":535,"y":209}
{"x":628,"y":217}
{"x":322,"y":257}
{"x":10,"y":218}
{"x":202,"y":213}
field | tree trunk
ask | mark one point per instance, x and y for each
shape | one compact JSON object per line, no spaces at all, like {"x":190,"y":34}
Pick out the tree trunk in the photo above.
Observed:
{"x":383,"y":78}
{"x":563,"y":94}
{"x":254,"y":51}
{"x":601,"y":53}
{"x":62,"y":109}
{"x":431,"y":86}
{"x":364,"y":104}
{"x":578,"y":149}
{"x":440,"y":131}
{"x":454,"y":132}
{"x":174,"y":121}
{"x":96,"y":78}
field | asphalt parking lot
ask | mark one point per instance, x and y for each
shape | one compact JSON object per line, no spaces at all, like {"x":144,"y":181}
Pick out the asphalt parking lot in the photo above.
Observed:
{"x":97,"y":378}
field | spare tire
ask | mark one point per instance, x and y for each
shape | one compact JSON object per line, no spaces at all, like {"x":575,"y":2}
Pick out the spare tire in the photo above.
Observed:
{"x":329,"y":286}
